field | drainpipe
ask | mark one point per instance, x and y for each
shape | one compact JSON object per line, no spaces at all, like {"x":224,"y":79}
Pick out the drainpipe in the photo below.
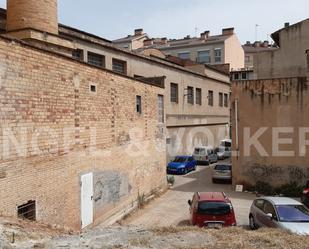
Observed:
{"x":236,"y":128}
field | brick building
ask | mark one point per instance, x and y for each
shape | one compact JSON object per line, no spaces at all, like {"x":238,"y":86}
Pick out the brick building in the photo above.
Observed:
{"x":79,"y":143}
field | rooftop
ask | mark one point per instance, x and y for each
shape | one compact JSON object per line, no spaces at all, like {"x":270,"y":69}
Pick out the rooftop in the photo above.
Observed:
{"x":212,"y":196}
{"x":282,"y":201}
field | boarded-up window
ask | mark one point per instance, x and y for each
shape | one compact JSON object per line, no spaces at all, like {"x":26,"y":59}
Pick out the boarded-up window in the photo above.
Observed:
{"x":190,"y":95}
{"x":119,"y":66}
{"x":174,"y":93}
{"x":221,"y":99}
{"x":96,"y":59}
{"x":198,"y":96}
{"x":210,"y":98}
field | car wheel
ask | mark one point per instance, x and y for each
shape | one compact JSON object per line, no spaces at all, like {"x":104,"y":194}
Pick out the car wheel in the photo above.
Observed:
{"x":186,"y":171}
{"x":252,"y":224}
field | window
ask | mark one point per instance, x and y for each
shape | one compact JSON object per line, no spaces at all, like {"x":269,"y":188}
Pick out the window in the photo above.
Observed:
{"x":174,"y":93}
{"x":259,"y":204}
{"x":160,"y":108}
{"x":119,"y":66}
{"x":236,"y":76}
{"x":139,"y":104}
{"x":226,"y":100}
{"x":269,"y":209}
{"x":221,"y":99}
{"x":244,"y":76}
{"x":78,"y":54}
{"x":203,"y":56}
{"x":96,"y":59}
{"x":198,"y":96}
{"x":247,"y":59}
{"x":27,"y":211}
{"x":210,"y":98}
{"x":218,"y":54}
{"x":184,"y":55}
{"x":190,"y":95}
{"x":93,"y":88}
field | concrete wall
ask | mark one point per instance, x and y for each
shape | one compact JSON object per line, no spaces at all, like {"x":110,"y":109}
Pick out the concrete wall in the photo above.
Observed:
{"x":290,"y":59}
{"x":54,"y":129}
{"x":276,"y":103}
{"x":234,"y":53}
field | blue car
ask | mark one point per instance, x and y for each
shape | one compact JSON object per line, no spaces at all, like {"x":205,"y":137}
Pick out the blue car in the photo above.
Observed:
{"x":181,"y":165}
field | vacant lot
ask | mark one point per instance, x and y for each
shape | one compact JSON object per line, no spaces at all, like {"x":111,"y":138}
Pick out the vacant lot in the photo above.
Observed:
{"x":31,"y":235}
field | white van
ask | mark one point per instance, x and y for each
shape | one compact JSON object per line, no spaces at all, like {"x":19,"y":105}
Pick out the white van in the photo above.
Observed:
{"x":205,"y":155}
{"x":225,"y":149}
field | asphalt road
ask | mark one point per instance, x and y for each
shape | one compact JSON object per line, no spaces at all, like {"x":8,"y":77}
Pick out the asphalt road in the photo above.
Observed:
{"x":172,"y":208}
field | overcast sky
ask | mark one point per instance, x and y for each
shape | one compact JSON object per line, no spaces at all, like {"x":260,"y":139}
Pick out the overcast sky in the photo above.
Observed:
{"x":178,"y":18}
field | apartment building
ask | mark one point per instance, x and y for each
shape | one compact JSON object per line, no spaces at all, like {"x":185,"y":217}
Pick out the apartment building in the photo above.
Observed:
{"x":206,"y":49}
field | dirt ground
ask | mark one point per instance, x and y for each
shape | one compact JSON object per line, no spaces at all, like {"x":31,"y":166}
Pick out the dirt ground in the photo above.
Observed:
{"x":29,"y":235}
{"x":172,"y":208}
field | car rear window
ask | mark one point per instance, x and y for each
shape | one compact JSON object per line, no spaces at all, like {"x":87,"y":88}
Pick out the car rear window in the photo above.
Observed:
{"x":200,"y":151}
{"x":223,"y":167}
{"x":214,"y":208}
{"x":180,"y":160}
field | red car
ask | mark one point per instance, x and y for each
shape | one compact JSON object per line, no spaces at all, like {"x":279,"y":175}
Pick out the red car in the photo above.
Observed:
{"x":212,"y":210}
{"x":305,"y":195}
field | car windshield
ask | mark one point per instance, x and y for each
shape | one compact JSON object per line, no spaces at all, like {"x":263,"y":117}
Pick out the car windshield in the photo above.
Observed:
{"x":180,"y":160}
{"x":200,"y":151}
{"x":293,"y":213}
{"x":223,"y":167}
{"x":213,"y":208}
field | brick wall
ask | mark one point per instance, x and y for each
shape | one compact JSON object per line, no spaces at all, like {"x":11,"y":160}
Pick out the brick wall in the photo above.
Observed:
{"x":37,"y":14}
{"x":54,"y":129}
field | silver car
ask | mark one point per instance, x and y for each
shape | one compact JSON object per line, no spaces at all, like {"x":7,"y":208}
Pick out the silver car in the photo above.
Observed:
{"x":222,"y":172}
{"x":279,"y":212}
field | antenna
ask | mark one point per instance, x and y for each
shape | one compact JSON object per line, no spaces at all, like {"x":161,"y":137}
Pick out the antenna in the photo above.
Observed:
{"x":196,"y":31}
{"x":256,"y":31}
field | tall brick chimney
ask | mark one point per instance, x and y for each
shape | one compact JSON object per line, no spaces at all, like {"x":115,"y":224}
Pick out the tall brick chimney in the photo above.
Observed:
{"x":41,"y":15}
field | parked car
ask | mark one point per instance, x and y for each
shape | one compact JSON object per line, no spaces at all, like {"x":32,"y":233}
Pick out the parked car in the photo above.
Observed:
{"x":279,"y":212}
{"x":211,"y":210}
{"x":181,"y":165}
{"x":205,"y":155}
{"x":222,"y":172}
{"x":305,"y":195}
{"x":225,"y":149}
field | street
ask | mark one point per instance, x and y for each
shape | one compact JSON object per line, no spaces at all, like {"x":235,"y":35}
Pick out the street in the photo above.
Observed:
{"x":172,"y":208}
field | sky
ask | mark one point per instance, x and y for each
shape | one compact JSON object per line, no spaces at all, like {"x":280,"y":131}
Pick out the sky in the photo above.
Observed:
{"x":177,"y":18}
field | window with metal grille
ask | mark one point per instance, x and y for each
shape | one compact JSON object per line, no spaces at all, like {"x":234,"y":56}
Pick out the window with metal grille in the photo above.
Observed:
{"x":221,"y":99}
{"x":161,"y":108}
{"x":78,"y":54}
{"x":119,"y":66}
{"x":174,"y":93}
{"x":139,"y":104}
{"x":27,"y":211}
{"x":198,"y":96}
{"x":96,"y":59}
{"x":210,"y":98}
{"x":190,"y":95}
{"x":226,"y":100}
{"x":218,"y":54}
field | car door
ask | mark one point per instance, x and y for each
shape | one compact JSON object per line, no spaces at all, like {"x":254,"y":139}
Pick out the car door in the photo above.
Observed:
{"x":265,"y":219}
{"x":192,"y":209}
{"x":258,"y":212}
{"x":191,"y":163}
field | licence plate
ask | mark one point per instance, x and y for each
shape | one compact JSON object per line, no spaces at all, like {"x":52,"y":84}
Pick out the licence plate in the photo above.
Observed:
{"x":214,"y":225}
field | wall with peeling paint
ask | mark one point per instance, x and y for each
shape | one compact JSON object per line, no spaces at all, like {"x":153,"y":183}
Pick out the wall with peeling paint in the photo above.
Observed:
{"x":269,"y":104}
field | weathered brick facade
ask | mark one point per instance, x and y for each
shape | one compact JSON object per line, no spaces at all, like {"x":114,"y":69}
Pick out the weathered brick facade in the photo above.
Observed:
{"x":54,"y":129}
{"x":36,"y":14}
